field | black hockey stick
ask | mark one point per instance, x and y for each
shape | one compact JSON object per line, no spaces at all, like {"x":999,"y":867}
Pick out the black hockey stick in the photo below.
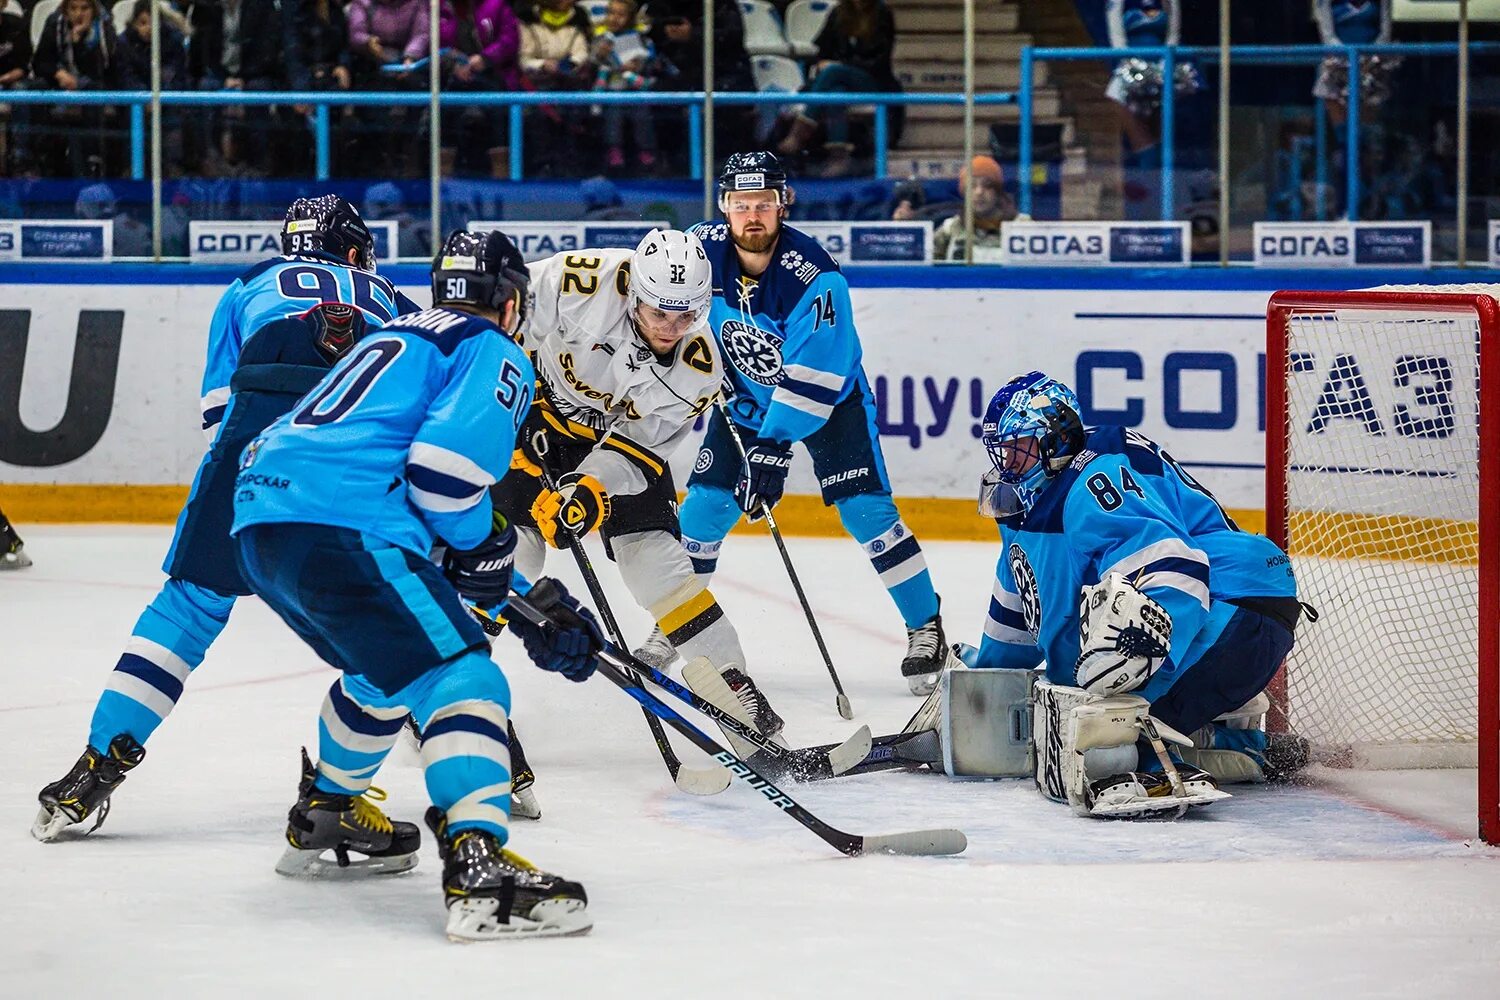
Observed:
{"x":887,"y":753}
{"x":842,"y":700}
{"x":616,"y":668}
{"x":692,"y":780}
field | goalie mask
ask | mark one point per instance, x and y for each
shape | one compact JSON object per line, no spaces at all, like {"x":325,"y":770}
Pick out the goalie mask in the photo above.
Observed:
{"x":670,"y":271}
{"x":327,"y":224}
{"x":1032,"y":431}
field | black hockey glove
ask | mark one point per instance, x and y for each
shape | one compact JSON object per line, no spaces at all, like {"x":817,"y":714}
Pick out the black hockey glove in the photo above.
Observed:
{"x":569,"y":640}
{"x":482,"y":574}
{"x":763,"y":477}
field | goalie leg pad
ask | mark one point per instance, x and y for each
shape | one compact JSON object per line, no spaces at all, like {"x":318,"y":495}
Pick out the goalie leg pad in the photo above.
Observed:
{"x":985,"y":723}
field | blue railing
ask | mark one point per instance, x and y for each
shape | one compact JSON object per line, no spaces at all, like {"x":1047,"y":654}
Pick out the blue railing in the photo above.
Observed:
{"x":1249,"y":55}
{"x":515,"y":102}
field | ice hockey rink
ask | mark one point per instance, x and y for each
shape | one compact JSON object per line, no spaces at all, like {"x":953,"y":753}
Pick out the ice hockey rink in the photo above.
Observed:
{"x":1279,"y":892}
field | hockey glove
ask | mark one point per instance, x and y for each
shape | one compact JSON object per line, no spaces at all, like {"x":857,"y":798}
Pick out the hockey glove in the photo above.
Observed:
{"x":481,"y":575}
{"x":576,"y":507}
{"x":1124,"y":637}
{"x":763,"y":477}
{"x":569,"y":640}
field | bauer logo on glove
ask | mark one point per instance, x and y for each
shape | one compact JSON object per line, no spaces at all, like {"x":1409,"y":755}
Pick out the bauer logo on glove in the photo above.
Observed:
{"x":1124,"y":636}
{"x":576,"y":507}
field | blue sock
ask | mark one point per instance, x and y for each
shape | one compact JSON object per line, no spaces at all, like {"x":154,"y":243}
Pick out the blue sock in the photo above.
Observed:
{"x":354,"y":737}
{"x":893,"y":550}
{"x":463,"y":708}
{"x":169,"y":640}
{"x":708,"y":513}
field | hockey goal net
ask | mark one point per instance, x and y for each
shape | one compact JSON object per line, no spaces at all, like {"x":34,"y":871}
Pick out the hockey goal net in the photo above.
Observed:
{"x":1383,"y":484}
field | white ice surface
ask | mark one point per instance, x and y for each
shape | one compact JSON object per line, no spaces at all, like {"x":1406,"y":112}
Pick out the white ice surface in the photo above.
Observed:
{"x":1278,"y":892}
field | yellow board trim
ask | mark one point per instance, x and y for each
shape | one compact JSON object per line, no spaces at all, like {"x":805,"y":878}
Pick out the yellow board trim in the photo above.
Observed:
{"x":929,"y":518}
{"x":687,"y":611}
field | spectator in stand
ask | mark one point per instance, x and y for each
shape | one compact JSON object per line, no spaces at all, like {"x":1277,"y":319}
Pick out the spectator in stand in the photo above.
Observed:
{"x":1353,"y":22}
{"x":384,"y":202}
{"x":132,"y":237}
{"x":257,"y":51}
{"x":133,"y":55}
{"x":854,"y":56}
{"x":555,"y":56}
{"x":677,"y":34}
{"x":389,"y":41}
{"x":983,"y":183}
{"x":484,"y":42}
{"x":322,"y":65}
{"x":76,"y":51}
{"x":15,"y":61}
{"x":626,"y":62}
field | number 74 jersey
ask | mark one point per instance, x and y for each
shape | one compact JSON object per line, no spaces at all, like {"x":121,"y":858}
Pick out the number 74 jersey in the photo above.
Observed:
{"x":400,"y":440}
{"x":1124,"y":506}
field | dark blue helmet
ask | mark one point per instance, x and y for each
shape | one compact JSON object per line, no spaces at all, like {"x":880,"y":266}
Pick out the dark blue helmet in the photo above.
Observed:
{"x":759,"y":171}
{"x":336,"y":326}
{"x":480,"y":269}
{"x":327,"y":224}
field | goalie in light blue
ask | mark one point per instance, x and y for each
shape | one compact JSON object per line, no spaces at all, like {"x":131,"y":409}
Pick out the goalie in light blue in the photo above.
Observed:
{"x":1074,"y":506}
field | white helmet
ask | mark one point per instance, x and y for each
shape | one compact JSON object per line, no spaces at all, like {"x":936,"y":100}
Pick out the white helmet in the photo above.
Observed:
{"x":670,"y":271}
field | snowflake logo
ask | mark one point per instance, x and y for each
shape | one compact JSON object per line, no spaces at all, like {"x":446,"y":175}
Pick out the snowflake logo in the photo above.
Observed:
{"x":753,"y":351}
{"x":1031,"y":600}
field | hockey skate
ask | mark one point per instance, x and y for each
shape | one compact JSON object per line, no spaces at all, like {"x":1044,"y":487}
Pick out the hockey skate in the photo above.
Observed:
{"x":736,"y":693}
{"x":927,"y":656}
{"x":12,"y":549}
{"x":85,"y":790}
{"x":495,"y":895}
{"x":657,"y":651}
{"x":1149,"y":794}
{"x":523,"y":803}
{"x":326,"y":821}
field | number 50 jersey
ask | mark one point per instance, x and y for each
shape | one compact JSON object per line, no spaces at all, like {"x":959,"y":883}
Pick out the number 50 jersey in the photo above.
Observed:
{"x":400,"y":440}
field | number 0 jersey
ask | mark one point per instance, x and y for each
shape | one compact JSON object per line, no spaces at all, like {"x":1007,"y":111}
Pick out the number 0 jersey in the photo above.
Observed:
{"x":602,"y":381}
{"x":400,"y":440}
{"x":1123,"y":506}
{"x":275,"y":289}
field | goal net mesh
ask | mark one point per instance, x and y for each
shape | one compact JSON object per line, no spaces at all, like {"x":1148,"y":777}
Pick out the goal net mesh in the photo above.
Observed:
{"x":1382,"y":408}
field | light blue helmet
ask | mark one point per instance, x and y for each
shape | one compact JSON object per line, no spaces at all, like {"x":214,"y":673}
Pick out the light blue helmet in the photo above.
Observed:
{"x":1031,"y":416}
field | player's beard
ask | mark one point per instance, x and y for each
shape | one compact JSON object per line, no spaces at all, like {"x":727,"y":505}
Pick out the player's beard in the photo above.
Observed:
{"x":756,"y":242}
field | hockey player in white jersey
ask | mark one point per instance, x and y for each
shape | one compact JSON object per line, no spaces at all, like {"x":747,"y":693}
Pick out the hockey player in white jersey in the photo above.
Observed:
{"x":625,"y":364}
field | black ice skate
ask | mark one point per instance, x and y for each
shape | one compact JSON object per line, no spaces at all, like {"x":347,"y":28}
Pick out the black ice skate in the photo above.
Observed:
{"x":523,"y":803}
{"x":926,"y":656}
{"x":754,"y":701}
{"x":325,"y":821}
{"x":12,"y":549}
{"x":493,"y":894}
{"x":85,"y":790}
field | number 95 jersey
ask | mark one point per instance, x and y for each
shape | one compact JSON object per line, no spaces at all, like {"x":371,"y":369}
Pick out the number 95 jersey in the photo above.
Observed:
{"x":402,"y":438}
{"x":1124,"y":506}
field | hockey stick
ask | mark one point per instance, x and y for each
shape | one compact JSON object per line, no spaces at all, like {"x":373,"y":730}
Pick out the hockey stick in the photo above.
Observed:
{"x":694,"y":781}
{"x":615,"y":666}
{"x":842,"y":700}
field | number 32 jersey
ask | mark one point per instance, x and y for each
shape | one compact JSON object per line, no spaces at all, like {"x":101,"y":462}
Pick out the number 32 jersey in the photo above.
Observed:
{"x":401,"y":440}
{"x":1124,"y":506}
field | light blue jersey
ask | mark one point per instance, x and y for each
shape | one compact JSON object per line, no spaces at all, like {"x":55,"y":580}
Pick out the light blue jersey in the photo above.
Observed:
{"x":787,"y":336}
{"x":401,"y":440}
{"x":1124,"y":506}
{"x":275,"y":289}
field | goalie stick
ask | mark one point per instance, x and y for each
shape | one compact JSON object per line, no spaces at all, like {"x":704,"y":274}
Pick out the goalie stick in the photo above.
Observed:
{"x":841,"y":700}
{"x":694,"y":781}
{"x":615,"y":667}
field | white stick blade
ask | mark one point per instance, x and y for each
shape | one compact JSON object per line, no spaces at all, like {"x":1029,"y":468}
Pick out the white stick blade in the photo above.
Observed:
{"x":703,"y":781}
{"x":919,"y":843}
{"x":853,"y":750}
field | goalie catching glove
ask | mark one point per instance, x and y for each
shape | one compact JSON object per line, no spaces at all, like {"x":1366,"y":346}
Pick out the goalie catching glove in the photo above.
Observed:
{"x":576,"y":507}
{"x":1124,"y":636}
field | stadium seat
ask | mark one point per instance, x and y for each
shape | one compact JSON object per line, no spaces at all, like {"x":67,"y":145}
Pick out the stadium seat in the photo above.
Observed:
{"x":763,"y":34}
{"x":39,"y":17}
{"x":804,"y":19}
{"x":121,"y":13}
{"x":776,"y":73}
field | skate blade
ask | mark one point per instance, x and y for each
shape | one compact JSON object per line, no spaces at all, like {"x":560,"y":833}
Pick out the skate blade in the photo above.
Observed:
{"x":49,"y":825}
{"x":1169,"y":807}
{"x":14,"y":560}
{"x":472,"y":920}
{"x":298,"y":863}
{"x":523,"y":804}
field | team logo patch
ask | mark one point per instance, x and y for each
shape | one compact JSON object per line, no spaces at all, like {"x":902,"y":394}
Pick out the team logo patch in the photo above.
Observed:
{"x":1031,"y":601}
{"x":704,"y":460}
{"x":756,"y":353}
{"x":877,"y":547}
{"x":251,"y":451}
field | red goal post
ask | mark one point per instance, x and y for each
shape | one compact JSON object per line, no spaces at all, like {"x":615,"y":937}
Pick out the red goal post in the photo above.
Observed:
{"x":1383,"y":484}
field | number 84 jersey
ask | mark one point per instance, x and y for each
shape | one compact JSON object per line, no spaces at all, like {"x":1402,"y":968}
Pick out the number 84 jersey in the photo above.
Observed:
{"x":1124,"y":506}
